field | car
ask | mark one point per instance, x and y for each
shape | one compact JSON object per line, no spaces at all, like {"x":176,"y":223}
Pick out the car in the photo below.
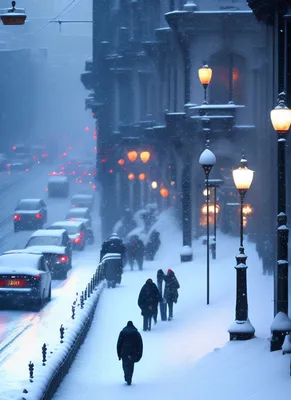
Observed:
{"x":90,"y":239}
{"x":56,"y":246}
{"x":82,"y":200}
{"x":79,"y":212}
{"x":24,"y":278}
{"x":58,"y":186}
{"x":76,"y":230}
{"x":30,"y":214}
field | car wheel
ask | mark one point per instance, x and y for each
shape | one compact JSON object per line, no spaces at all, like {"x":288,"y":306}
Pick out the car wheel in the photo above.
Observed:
{"x":16,"y":228}
{"x":49,"y":297}
{"x":62,"y":275}
{"x":39,"y":303}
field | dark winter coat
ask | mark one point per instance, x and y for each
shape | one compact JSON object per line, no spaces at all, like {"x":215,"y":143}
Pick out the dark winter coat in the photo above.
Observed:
{"x":135,"y":248}
{"x":112,"y":246}
{"x":148,"y":299}
{"x":112,"y":270}
{"x":153,"y":245}
{"x":171,"y":288}
{"x":130,"y":343}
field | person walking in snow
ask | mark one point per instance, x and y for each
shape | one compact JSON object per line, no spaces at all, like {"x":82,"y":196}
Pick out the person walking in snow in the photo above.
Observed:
{"x":148,"y":300}
{"x":113,"y":245}
{"x":171,"y":291}
{"x":153,"y":245}
{"x":135,"y":251}
{"x":129,"y":349}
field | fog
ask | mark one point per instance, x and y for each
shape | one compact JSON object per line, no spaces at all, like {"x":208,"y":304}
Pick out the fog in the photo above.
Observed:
{"x":55,"y":94}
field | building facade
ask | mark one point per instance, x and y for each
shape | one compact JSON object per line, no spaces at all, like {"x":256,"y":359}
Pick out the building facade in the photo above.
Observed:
{"x":146,"y":95}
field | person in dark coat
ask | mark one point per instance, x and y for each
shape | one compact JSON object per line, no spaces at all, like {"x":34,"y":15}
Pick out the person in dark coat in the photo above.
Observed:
{"x":148,"y":300}
{"x":171,"y":291}
{"x":135,"y":250}
{"x":153,"y":245}
{"x":113,"y":245}
{"x":129,"y":349}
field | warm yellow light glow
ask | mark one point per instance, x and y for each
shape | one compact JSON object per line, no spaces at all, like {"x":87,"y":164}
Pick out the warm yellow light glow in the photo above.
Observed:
{"x":132,"y":155}
{"x":141,"y":177}
{"x":281,"y":119}
{"x":243,"y":178}
{"x":247,"y":209}
{"x":154,"y":185}
{"x":173,"y":183}
{"x":205,"y":192}
{"x":205,"y":75}
{"x":211,"y":209}
{"x":145,"y":156}
{"x":121,"y":161}
{"x":131,"y":177}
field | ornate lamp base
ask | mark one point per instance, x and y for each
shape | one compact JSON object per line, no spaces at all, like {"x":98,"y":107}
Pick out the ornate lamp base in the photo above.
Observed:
{"x":241,"y":330}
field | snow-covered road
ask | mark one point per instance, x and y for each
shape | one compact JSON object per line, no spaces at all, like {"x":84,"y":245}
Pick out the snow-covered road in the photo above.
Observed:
{"x":15,"y":323}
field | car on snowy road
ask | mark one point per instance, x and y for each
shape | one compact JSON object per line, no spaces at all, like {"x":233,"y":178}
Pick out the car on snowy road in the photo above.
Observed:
{"x":82,"y":200}
{"x":24,"y":279}
{"x":30,"y":214}
{"x":79,"y":212}
{"x":58,"y":186}
{"x":57,"y":248}
{"x":76,"y":230}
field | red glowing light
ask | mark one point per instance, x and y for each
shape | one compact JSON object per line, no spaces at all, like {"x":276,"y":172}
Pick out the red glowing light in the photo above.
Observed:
{"x":87,"y":129}
{"x":16,"y":217}
{"x":111,"y":171}
{"x":103,"y":160}
{"x":64,"y":154}
{"x":38,"y":216}
{"x":14,"y":147}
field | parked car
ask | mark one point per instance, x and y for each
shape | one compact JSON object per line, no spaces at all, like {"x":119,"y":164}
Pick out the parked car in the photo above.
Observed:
{"x":58,"y":186}
{"x":82,"y":200}
{"x":90,"y":239}
{"x":30,"y":214}
{"x":57,"y":248}
{"x":79,"y":212}
{"x":76,"y":230}
{"x":24,"y":278}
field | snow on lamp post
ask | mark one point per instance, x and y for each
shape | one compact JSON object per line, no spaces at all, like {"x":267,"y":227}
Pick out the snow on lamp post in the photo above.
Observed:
{"x":281,"y":121}
{"x":207,"y":160}
{"x":13,"y":16}
{"x":241,"y":328}
{"x":205,"y":75}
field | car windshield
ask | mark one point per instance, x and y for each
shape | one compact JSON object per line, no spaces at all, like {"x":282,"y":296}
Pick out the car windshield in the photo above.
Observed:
{"x":27,"y":205}
{"x":44,"y":241}
{"x":72,"y":230}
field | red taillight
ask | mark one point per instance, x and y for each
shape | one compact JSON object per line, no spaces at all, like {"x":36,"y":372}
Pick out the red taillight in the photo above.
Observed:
{"x":94,"y":187}
{"x":36,"y":277}
{"x":73,"y":219}
{"x":64,"y":259}
{"x":2,"y":283}
{"x":34,"y":157}
{"x":16,"y":217}
{"x":44,"y":155}
{"x":84,"y":172}
{"x":38,"y":215}
{"x":78,"y":240}
{"x":8,"y":165}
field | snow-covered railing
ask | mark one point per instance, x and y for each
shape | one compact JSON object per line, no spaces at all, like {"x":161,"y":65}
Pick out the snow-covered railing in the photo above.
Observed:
{"x":46,"y":374}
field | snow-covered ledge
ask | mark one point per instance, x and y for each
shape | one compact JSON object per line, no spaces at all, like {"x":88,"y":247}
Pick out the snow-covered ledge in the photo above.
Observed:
{"x":186,"y":254}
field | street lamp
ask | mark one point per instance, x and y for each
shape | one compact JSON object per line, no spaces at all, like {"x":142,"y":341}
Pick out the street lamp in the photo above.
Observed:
{"x":205,"y":75}
{"x":214,"y":183}
{"x":207,"y":160}
{"x":281,"y":120}
{"x":145,"y":156}
{"x":13,"y":16}
{"x":154,"y":185}
{"x":132,"y":155}
{"x":241,"y":328}
{"x":164,"y":192}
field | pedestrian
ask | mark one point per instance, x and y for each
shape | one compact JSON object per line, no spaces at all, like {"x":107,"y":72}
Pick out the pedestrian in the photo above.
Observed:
{"x":113,"y":245}
{"x":129,"y":349}
{"x":171,"y":291}
{"x":135,"y":250}
{"x":148,"y":300}
{"x":152,"y":245}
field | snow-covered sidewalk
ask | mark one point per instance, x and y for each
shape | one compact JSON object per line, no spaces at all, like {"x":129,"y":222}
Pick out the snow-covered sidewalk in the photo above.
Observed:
{"x":190,"y":357}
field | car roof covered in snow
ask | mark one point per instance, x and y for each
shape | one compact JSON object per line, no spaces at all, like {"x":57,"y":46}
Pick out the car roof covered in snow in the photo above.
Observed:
{"x":52,"y":249}
{"x":78,"y":210}
{"x":67,"y":223}
{"x":82,"y":197}
{"x":57,"y":179}
{"x":19,"y":260}
{"x":29,"y":200}
{"x":48,"y":232}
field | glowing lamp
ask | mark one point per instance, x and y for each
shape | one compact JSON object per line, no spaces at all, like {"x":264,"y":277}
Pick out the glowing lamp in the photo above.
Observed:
{"x":141,"y":177}
{"x":121,"y":161}
{"x":131,"y":177}
{"x":243,"y":176}
{"x":164,"y":192}
{"x":154,"y":185}
{"x":13,"y":16}
{"x":205,"y":75}
{"x":145,"y":156}
{"x":281,"y":115}
{"x":132,"y":155}
{"x":247,"y":209}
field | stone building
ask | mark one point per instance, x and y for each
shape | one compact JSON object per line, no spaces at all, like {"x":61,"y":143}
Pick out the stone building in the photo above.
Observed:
{"x":145,"y":94}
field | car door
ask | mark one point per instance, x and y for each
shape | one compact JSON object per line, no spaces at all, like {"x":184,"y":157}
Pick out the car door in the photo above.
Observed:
{"x":68,"y":245}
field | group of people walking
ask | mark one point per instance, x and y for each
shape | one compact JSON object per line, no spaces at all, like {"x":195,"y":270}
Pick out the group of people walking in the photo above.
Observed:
{"x":130,"y":344}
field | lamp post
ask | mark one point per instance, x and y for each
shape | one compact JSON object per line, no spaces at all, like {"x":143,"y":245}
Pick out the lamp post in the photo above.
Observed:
{"x":281,"y":120}
{"x":207,"y":160}
{"x":241,"y":328}
{"x":205,"y":75}
{"x":214,"y":183}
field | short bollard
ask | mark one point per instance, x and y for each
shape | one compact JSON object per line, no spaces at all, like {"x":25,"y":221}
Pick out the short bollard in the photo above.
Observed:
{"x":92,"y":285}
{"x":89,"y":291}
{"x":31,"y":369}
{"x":62,"y":333}
{"x":73,"y":310}
{"x":82,"y":300}
{"x":44,"y":351}
{"x":85,"y":294}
